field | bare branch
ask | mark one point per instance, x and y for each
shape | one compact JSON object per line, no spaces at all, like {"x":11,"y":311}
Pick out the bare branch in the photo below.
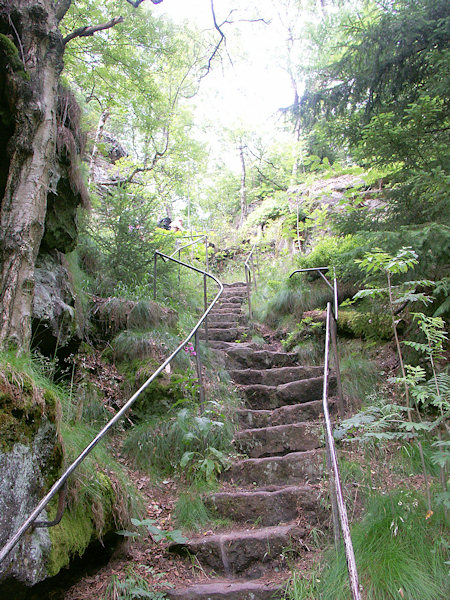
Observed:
{"x":222,"y":40}
{"x":90,"y":30}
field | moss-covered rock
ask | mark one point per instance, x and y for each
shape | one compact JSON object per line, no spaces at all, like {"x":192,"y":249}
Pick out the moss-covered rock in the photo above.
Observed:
{"x":81,"y":525}
{"x":30,"y":459}
{"x":367,"y":325}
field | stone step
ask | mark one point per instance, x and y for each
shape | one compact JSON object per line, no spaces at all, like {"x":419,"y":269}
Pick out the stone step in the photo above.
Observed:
{"x":267,"y":396}
{"x":229,"y":590}
{"x":240,"y":551}
{"x":224,"y":335}
{"x":223,"y":324}
{"x":226,"y":304}
{"x":226,"y":316}
{"x":279,"y":440}
{"x":232,"y":298}
{"x":291,"y":469}
{"x":262,"y":359}
{"x":270,"y":506}
{"x":291,"y":413}
{"x":241,"y":284}
{"x":275,"y":376}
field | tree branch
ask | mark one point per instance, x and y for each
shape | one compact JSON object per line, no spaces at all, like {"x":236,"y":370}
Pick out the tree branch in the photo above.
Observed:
{"x":61,"y":8}
{"x":135,"y":3}
{"x":90,"y":30}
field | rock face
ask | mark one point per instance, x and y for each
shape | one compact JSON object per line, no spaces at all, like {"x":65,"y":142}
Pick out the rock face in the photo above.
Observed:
{"x":57,"y":318}
{"x":30,"y":457}
{"x":270,"y":496}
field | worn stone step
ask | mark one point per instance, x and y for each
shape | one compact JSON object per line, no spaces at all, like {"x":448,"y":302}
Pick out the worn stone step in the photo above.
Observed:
{"x":266,"y":396}
{"x":279,"y":440}
{"x":274,"y":376}
{"x":223,"y":324}
{"x":224,"y":335}
{"x":238,"y":551}
{"x":229,"y":305}
{"x":291,"y":469}
{"x":229,"y":590}
{"x":231,"y":298}
{"x":260,"y":359}
{"x":291,"y":413}
{"x":226,"y":316}
{"x":270,"y":506}
{"x":235,"y":284}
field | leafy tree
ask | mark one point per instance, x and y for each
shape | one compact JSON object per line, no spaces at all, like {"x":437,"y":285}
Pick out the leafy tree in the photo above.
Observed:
{"x":33,"y":46}
{"x":383,"y":94}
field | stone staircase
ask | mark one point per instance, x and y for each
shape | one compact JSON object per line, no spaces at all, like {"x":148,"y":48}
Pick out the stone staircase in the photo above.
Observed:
{"x":273,"y":497}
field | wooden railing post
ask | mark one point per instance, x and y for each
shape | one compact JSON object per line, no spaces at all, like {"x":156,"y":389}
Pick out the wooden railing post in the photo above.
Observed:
{"x":155,"y":259}
{"x":333,"y":331}
{"x":198,"y":363}
{"x":205,"y":302}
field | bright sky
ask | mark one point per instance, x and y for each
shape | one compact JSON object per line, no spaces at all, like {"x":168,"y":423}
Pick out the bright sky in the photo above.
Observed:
{"x":249,"y":90}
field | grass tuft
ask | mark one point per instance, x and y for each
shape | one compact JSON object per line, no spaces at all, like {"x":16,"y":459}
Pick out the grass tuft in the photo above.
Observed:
{"x":396,"y":548}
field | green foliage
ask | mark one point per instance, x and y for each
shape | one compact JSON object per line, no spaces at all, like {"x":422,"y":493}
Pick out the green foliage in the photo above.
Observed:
{"x":189,"y":441}
{"x":303,"y":587}
{"x":306,"y":330}
{"x":338,"y":252}
{"x":396,"y":548}
{"x":381,"y":85}
{"x":360,"y":374}
{"x":134,"y":586}
{"x":373,"y":326}
{"x":156,"y":534}
{"x":270,"y":209}
{"x":190,"y":510}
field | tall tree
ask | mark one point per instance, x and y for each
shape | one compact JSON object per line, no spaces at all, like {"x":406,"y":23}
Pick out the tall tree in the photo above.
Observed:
{"x":32,"y":56}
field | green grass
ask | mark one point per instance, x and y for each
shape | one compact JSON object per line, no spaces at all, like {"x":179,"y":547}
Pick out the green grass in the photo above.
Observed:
{"x":301,"y":587}
{"x":360,"y":374}
{"x":190,"y":511}
{"x":158,"y":446}
{"x":396,"y":548}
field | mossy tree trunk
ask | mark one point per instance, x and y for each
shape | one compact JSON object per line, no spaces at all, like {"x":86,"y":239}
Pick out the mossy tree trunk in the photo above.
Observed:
{"x":31,"y":79}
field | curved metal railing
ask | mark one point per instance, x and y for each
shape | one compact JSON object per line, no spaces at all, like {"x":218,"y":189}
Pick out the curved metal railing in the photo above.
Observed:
{"x":339,"y":511}
{"x":60,"y":484}
{"x":338,"y":503}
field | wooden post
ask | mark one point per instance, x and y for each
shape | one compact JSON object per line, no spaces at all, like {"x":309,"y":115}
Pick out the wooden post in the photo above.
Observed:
{"x":205,"y":302}
{"x":248,"y":282}
{"x":333,"y":500}
{"x":199,"y":370}
{"x":333,"y":331}
{"x":155,"y":258}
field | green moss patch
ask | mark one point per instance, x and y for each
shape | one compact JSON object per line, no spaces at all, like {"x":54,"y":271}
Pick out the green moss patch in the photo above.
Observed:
{"x":367,"y":325}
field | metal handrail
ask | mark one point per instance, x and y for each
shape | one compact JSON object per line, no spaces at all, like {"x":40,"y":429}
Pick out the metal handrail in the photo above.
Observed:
{"x":63,"y":478}
{"x":249,"y":271}
{"x":200,"y":238}
{"x":336,"y":487}
{"x":339,"y":512}
{"x":334,"y":289}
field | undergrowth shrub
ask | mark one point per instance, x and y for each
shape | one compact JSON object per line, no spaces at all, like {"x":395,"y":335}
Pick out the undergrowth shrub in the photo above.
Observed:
{"x":196,"y":443}
{"x":374,"y":326}
{"x":360,"y":374}
{"x":396,"y":548}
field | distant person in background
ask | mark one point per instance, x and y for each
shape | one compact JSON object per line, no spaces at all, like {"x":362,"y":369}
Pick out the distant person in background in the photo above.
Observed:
{"x":164,"y":223}
{"x":176,"y":225}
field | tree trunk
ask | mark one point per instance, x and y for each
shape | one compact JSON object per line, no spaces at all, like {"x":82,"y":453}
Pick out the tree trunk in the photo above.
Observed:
{"x":243,"y":184}
{"x":33,"y":26}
